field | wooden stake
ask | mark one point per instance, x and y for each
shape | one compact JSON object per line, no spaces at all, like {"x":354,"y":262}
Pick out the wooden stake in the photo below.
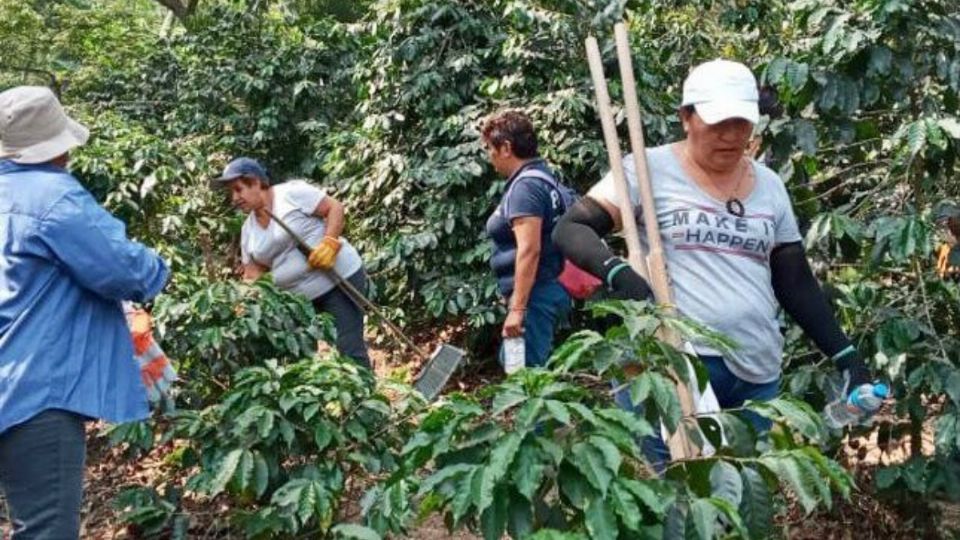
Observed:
{"x":656,"y":262}
{"x":634,"y":249}
{"x":679,"y":443}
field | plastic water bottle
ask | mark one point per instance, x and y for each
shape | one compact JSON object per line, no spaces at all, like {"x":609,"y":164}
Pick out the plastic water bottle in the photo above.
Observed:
{"x":864,"y":400}
{"x":514,"y":354}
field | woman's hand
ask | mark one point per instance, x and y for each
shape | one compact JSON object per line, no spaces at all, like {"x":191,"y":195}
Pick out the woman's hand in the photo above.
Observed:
{"x":513,"y":326}
{"x":324,"y":255}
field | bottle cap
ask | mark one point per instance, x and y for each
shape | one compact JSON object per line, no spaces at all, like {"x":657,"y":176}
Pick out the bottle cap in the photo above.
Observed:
{"x":881,"y":390}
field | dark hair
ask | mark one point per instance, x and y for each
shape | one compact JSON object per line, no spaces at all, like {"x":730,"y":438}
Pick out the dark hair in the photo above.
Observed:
{"x":953,"y":224}
{"x":769,"y":102}
{"x":513,"y":127}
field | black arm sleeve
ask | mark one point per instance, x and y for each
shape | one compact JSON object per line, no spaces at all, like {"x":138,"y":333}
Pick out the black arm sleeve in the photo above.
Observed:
{"x":578,"y":235}
{"x":798,"y":292}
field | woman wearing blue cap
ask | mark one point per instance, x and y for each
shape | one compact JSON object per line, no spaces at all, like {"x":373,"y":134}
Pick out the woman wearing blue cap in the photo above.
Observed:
{"x":731,"y":241}
{"x":318,"y":219}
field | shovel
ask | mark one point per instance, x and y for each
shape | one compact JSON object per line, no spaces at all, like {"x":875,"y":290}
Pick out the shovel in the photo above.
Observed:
{"x":440,"y":365}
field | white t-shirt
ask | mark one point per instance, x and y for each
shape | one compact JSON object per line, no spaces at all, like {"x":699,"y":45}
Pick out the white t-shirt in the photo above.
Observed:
{"x":719,"y":264}
{"x":294,"y":202}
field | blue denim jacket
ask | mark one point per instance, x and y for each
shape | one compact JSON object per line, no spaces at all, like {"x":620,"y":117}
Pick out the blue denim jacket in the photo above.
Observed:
{"x":65,"y":265}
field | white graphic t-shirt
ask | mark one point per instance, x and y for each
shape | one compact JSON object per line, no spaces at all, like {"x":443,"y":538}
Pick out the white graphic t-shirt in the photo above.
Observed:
{"x":718,"y":263}
{"x":294,"y":202}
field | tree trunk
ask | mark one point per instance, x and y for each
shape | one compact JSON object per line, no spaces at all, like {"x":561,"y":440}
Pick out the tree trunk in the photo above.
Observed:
{"x":181,"y":9}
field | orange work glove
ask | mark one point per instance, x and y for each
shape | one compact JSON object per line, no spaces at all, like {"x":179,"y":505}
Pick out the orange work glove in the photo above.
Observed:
{"x":942,"y":256}
{"x":324,"y":255}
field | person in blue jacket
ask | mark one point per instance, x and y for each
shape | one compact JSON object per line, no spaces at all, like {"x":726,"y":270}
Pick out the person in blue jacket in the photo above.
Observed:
{"x":66,"y":355}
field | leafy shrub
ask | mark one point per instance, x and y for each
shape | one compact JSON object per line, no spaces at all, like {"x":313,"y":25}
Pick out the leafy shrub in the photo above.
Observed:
{"x":213,"y":329}
{"x":286,"y":438}
{"x":549,"y":449}
{"x":150,"y":515}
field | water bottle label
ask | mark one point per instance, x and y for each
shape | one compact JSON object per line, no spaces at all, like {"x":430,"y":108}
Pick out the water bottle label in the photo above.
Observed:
{"x":514,"y":355}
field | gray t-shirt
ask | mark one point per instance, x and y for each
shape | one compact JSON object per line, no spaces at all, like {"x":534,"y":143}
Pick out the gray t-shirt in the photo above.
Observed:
{"x":719,"y":264}
{"x":294,"y":202}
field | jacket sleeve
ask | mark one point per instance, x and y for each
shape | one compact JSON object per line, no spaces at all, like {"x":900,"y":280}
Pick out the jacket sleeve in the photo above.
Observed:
{"x":92,"y":247}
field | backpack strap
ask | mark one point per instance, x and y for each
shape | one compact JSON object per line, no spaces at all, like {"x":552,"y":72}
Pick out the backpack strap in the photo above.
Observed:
{"x":539,"y":175}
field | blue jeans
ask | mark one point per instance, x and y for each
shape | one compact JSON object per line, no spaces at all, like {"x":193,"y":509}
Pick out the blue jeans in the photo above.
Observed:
{"x":548,"y":304}
{"x":731,"y":392}
{"x":41,"y":475}
{"x":347,"y":319}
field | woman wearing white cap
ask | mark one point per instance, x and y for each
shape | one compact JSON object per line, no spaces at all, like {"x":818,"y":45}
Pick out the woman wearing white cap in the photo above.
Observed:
{"x":730,"y":238}
{"x":66,"y":355}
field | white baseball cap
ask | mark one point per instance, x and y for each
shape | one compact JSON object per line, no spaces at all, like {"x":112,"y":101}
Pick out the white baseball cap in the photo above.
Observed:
{"x":722,"y":89}
{"x":33,"y":126}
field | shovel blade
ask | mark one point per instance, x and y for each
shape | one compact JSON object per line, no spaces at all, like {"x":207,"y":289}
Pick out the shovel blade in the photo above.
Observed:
{"x":443,"y":362}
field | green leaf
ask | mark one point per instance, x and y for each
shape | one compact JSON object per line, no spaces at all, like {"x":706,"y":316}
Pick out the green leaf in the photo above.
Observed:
{"x":631,"y":421}
{"x":493,"y":520}
{"x":654,"y":494}
{"x":558,"y":411}
{"x":551,"y":534}
{"x":244,"y":474}
{"x":520,"y":522}
{"x":590,"y":462}
{"x":730,"y":512}
{"x":466,"y":495}
{"x":500,"y":459}
{"x":785,"y":467}
{"x":739,"y":434}
{"x":286,"y":431}
{"x":796,"y":414}
{"x":506,"y":399}
{"x":625,"y":505}
{"x":885,"y":477}
{"x":450,"y":472}
{"x":323,"y":435}
{"x":640,"y":389}
{"x":665,"y":396}
{"x":701,"y":519}
{"x":528,"y":470}
{"x":225,"y":472}
{"x":953,"y":386}
{"x":551,"y":449}
{"x":611,"y":456}
{"x":916,"y":137}
{"x":261,"y":474}
{"x":355,"y":532}
{"x":756,"y":504}
{"x":726,"y":483}
{"x":600,"y":520}
{"x":575,"y":487}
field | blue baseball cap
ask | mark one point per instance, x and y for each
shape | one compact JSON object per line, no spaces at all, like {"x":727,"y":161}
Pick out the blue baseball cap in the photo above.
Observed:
{"x":241,"y":167}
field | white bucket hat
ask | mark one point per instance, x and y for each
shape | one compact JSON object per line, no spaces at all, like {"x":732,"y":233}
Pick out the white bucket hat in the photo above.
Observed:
{"x":722,"y":89}
{"x":33,"y":126}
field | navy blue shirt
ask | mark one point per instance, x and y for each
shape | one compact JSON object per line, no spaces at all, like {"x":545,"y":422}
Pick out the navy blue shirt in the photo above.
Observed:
{"x":527,"y":196}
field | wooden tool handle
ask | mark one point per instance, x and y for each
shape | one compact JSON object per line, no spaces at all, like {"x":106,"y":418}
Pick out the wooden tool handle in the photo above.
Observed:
{"x":612,"y":142}
{"x":358,"y":297}
{"x":679,"y":443}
